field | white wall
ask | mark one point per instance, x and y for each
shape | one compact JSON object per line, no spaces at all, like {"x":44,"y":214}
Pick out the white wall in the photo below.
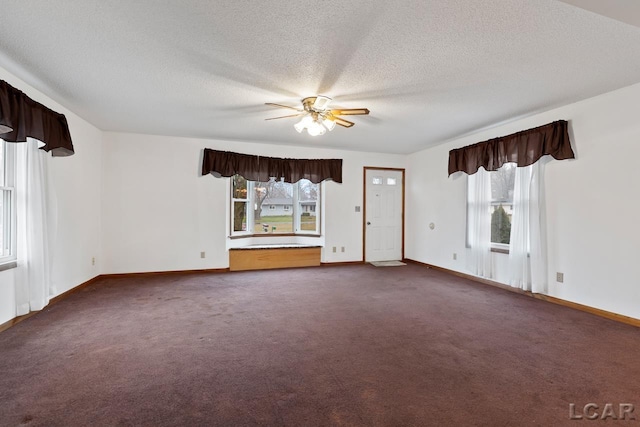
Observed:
{"x":159,"y":213}
{"x":76,"y":181}
{"x":593,"y":204}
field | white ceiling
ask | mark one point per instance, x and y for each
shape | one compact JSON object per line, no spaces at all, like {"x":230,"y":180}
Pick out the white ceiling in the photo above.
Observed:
{"x":429,"y":70}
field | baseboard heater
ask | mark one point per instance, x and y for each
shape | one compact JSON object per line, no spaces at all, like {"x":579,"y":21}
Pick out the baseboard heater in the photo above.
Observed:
{"x":264,"y":257}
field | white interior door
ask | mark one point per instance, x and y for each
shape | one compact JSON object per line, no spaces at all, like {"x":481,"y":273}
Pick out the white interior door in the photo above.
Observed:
{"x":383,"y":215}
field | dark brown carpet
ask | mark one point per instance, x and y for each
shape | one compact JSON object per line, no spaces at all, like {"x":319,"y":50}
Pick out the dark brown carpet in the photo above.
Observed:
{"x":348,"y":345}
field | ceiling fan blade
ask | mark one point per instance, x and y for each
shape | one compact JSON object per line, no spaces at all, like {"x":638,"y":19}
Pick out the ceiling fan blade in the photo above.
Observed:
{"x":283,"y":106}
{"x":342,"y":122}
{"x":284,"y":117}
{"x":350,"y":112}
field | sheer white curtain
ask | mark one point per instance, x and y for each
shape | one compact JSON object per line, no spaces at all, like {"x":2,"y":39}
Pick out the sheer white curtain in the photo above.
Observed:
{"x":33,"y":274}
{"x":479,"y":187}
{"x":527,"y":253}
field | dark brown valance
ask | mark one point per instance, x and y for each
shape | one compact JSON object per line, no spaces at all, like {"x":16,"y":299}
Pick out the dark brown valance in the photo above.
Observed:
{"x":524,"y":148}
{"x":260,"y":168}
{"x":22,"y":117}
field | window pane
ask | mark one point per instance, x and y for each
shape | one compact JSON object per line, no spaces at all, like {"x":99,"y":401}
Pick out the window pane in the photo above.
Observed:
{"x":7,"y":208}
{"x":2,"y":157}
{"x":376,"y":180}
{"x":3,"y":227}
{"x":239,"y":216}
{"x":239,"y":187}
{"x":6,"y":216}
{"x":501,"y":223}
{"x":502,"y":185}
{"x":272,"y":207}
{"x":308,"y":203}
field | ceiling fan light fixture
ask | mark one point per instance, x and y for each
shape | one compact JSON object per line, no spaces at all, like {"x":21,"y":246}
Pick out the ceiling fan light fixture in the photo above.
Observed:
{"x":321,"y":102}
{"x":315,"y":128}
{"x":317,"y":118}
{"x":329,"y":124}
{"x":312,"y":123}
{"x":303,"y":123}
{"x":299,"y":126}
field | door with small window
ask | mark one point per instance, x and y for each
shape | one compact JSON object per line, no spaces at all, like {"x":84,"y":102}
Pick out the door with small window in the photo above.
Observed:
{"x":384,"y":214}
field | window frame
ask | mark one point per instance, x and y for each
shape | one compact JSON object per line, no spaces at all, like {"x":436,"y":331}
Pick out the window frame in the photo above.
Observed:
{"x":247,"y":202}
{"x":295,"y":210}
{"x":495,"y":246}
{"x":9,"y":214}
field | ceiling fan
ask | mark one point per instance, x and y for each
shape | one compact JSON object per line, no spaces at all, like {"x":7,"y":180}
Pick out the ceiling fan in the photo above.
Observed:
{"x":317,"y":118}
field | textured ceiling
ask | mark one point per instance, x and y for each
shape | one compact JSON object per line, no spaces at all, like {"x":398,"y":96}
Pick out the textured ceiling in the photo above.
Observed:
{"x":427,"y":70}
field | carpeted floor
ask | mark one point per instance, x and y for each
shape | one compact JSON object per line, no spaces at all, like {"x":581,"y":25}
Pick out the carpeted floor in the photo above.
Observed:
{"x":346,"y":345}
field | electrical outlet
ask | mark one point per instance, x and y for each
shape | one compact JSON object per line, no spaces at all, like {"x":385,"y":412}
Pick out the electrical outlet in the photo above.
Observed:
{"x":342,"y":249}
{"x":93,"y":260}
{"x":560,"y":277}
{"x":455,"y":256}
{"x":334,"y":249}
{"x":202,"y":254}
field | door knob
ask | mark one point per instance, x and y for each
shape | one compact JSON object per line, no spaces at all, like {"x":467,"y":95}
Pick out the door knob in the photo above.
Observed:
{"x":368,"y":223}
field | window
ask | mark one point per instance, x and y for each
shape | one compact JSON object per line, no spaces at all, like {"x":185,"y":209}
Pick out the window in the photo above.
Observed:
{"x":274,"y":207}
{"x":239,"y":203}
{"x":7,"y":203}
{"x":502,"y":183}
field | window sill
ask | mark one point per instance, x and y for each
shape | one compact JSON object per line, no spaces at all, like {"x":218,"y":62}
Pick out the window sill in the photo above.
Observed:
{"x":496,"y":249}
{"x":275,"y":246}
{"x":500,"y":250}
{"x":245,"y":236}
{"x":8,"y":265}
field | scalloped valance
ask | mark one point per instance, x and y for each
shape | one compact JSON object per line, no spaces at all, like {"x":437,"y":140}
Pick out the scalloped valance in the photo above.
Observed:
{"x":261,"y":168}
{"x":523,"y":148}
{"x":21,"y":117}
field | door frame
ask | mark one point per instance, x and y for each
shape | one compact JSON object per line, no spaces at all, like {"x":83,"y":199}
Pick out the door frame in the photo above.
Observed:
{"x":364,"y":206}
